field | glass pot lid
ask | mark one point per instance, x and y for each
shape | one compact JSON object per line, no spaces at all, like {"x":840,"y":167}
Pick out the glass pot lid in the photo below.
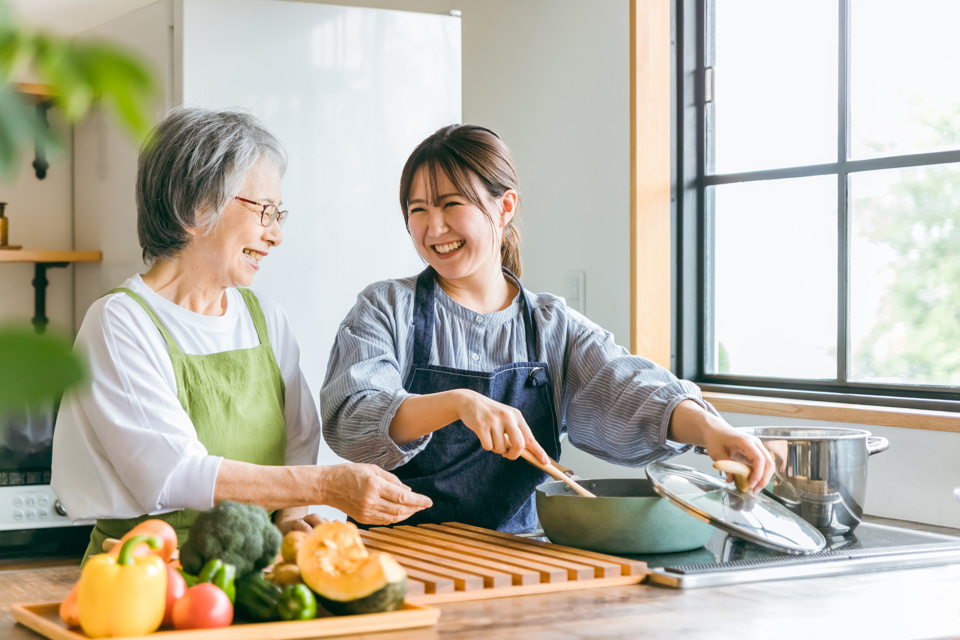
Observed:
{"x":757,"y":518}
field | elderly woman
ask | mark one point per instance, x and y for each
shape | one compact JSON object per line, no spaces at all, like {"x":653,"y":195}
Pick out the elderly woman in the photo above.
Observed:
{"x":196,"y":394}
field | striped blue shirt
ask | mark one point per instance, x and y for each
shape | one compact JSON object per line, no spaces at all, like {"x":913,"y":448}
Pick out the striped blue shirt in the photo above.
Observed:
{"x":611,"y":404}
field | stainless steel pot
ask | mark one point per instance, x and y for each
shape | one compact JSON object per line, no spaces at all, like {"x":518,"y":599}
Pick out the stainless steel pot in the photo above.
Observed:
{"x":821,"y":472}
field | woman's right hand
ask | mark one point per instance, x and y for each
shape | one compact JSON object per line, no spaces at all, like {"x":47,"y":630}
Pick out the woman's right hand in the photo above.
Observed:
{"x":368,"y":494}
{"x":500,"y":427}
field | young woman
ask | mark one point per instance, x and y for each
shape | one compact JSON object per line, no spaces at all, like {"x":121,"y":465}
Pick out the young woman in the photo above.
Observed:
{"x":444,"y":378}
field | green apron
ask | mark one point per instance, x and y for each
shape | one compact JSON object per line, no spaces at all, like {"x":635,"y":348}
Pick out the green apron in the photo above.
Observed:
{"x":235,"y":401}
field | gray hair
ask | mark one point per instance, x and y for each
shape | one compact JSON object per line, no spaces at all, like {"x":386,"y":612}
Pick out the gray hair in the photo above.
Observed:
{"x":195,"y":161}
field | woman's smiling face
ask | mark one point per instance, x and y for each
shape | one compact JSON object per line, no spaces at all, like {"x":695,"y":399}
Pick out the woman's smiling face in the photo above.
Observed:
{"x":231,"y":253}
{"x":453,"y":235}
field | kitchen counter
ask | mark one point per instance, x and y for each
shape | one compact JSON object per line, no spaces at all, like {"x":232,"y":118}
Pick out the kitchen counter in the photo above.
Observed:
{"x":908,"y":603}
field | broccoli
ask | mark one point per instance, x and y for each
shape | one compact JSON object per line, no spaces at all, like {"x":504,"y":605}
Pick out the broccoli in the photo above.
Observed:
{"x":238,"y":534}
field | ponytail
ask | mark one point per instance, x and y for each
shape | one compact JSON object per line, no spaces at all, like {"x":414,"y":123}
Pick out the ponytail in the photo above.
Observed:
{"x":510,"y":248}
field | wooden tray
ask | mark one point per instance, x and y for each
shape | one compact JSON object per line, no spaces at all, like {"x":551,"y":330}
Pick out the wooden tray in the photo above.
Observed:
{"x":454,"y":562}
{"x":45,"y":620}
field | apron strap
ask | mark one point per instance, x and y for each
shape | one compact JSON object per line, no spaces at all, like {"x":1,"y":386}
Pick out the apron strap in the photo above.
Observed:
{"x":256,"y":314}
{"x":423,"y":318}
{"x":171,"y":343}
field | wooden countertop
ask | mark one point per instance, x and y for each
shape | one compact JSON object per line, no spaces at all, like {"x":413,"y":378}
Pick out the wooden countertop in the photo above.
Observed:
{"x":908,"y":603}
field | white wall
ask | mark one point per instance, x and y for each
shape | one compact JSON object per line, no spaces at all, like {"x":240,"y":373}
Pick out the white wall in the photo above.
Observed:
{"x":40,"y":213}
{"x":552,"y":78}
{"x":73,"y":16}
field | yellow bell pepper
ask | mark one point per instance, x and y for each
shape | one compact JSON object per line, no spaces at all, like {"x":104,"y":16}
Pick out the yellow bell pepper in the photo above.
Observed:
{"x":123,"y":595}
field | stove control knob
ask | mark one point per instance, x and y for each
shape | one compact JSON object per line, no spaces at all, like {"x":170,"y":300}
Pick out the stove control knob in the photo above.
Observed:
{"x":59,"y":508}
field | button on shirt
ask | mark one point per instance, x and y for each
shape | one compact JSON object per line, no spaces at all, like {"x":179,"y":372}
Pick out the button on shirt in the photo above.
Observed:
{"x":611,"y":404}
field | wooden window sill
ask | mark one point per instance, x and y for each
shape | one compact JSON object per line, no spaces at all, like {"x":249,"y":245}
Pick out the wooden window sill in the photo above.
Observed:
{"x":835,"y":412}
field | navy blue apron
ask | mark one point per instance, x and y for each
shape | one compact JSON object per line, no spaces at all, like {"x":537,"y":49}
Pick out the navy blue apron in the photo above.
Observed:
{"x":466,"y":483}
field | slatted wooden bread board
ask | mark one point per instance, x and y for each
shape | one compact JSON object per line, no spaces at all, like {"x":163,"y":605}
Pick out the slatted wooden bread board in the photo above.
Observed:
{"x":453,"y":562}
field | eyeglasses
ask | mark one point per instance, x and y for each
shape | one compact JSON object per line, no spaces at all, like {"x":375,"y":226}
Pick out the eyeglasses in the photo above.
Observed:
{"x":269,"y":214}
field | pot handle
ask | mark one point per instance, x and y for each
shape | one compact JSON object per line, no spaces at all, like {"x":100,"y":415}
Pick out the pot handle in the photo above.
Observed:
{"x":876,"y":444}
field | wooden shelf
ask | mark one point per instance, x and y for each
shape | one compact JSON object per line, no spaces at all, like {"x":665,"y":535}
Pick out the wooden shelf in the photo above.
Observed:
{"x":43,"y":260}
{"x":39,"y":255}
{"x":35,"y":92}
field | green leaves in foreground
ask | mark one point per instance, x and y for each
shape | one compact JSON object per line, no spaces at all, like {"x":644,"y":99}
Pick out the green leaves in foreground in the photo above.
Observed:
{"x":35,"y":368}
{"x":80,"y":74}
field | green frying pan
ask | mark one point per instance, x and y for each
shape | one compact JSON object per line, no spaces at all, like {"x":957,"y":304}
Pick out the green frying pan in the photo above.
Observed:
{"x":626,"y":517}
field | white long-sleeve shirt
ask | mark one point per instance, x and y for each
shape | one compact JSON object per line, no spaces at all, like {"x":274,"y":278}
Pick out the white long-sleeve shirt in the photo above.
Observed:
{"x":123,"y":445}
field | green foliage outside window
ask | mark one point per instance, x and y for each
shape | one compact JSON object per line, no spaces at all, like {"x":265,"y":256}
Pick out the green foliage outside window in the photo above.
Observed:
{"x":918,"y":320}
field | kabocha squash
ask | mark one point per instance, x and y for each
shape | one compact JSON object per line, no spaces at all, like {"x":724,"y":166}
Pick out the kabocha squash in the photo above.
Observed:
{"x":346,"y":577}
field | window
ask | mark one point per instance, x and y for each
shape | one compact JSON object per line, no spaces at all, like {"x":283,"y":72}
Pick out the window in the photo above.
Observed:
{"x":818,"y":218}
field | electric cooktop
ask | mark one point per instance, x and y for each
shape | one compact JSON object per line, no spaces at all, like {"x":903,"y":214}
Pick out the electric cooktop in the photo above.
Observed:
{"x":871,"y":547}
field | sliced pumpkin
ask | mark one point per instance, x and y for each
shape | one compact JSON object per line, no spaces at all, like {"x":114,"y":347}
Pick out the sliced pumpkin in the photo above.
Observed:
{"x":346,"y":577}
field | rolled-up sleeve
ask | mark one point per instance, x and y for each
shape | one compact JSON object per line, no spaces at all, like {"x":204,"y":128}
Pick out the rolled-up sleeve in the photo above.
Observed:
{"x":363,"y":389}
{"x":617,"y":406}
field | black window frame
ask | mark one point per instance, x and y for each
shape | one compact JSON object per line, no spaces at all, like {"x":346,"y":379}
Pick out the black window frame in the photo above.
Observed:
{"x":693,"y":230}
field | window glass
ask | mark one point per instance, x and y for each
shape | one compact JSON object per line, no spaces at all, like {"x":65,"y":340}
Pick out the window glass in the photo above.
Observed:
{"x":905,"y":275}
{"x":903,"y":63}
{"x":775,"y":85}
{"x":775,"y":278}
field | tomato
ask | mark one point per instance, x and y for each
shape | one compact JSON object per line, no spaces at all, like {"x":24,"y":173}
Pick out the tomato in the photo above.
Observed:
{"x":176,"y":587}
{"x":203,"y":606}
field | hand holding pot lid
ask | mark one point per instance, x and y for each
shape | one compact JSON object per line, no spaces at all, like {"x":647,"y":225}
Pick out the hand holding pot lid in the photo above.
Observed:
{"x":740,"y":472}
{"x":693,"y":424}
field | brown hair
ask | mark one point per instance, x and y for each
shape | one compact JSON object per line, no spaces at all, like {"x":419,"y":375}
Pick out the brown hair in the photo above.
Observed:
{"x":473,"y":158}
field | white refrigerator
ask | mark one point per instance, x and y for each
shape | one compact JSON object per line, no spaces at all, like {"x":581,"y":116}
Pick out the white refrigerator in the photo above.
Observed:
{"x":350,"y":92}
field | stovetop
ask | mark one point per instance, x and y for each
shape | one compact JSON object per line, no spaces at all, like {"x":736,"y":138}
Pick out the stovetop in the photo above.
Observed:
{"x":729,"y":560}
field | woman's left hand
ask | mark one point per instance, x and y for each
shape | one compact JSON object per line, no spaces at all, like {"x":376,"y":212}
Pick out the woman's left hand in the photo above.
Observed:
{"x":692,"y":424}
{"x":726,"y":443}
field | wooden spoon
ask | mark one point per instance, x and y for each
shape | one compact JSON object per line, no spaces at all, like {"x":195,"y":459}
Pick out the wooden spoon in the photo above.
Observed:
{"x":555,"y":473}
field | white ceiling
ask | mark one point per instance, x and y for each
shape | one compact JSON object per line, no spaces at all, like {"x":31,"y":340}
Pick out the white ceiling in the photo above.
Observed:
{"x":73,"y":16}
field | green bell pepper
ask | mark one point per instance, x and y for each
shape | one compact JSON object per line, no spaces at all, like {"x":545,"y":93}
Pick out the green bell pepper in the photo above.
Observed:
{"x":257,"y":597}
{"x":225,"y":578}
{"x":209,"y":571}
{"x":297,"y":602}
{"x":218,"y":573}
{"x":189,"y":578}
